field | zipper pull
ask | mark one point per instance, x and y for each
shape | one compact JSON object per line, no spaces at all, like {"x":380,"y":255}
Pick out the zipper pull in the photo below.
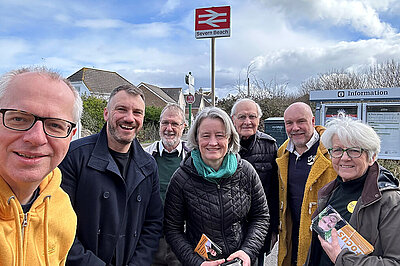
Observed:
{"x":24,"y":224}
{"x":25,"y":221}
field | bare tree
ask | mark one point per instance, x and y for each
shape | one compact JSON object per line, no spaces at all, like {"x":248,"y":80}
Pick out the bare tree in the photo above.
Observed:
{"x":333,"y":80}
{"x":243,"y":85}
{"x":271,"y":96}
{"x":384,"y":75}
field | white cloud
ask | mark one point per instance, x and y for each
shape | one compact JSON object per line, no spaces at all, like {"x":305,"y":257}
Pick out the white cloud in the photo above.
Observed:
{"x":152,"y":30}
{"x":169,"y":6}
{"x":302,"y":63}
{"x":151,"y":71}
{"x":382,"y":5}
{"x":143,"y":30}
{"x":101,"y":23}
{"x":62,"y":18}
{"x":360,"y":15}
{"x":287,"y":40}
{"x":10,"y":50}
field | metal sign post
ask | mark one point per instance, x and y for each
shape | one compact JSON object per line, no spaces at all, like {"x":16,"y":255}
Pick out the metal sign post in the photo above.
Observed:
{"x":213,"y":22}
{"x":190,"y":98}
{"x":213,"y":71}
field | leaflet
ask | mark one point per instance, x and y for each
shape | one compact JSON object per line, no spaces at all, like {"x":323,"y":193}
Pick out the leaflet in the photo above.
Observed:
{"x":348,"y":237}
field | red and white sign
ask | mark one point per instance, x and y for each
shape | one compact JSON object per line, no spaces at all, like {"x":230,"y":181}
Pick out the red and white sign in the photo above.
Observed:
{"x":190,"y":98}
{"x":212,"y":22}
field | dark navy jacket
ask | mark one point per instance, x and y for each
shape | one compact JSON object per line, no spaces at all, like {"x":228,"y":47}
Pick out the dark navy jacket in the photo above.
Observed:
{"x":114,"y":215}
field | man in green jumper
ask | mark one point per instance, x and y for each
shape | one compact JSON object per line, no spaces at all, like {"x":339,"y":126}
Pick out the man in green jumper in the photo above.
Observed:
{"x":168,"y":152}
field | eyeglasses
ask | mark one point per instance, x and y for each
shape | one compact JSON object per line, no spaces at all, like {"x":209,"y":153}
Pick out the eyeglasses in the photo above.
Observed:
{"x":23,"y":121}
{"x":243,"y":117}
{"x":351,"y":152}
{"x":173,"y":124}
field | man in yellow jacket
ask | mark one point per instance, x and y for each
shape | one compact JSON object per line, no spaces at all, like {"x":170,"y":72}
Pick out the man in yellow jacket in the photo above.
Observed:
{"x":38,"y":112}
{"x":304,"y":167}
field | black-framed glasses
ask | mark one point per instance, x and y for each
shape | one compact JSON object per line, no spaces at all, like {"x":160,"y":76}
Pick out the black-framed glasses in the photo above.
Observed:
{"x":173,"y":124}
{"x":351,"y":152}
{"x":23,"y":121}
{"x":243,"y":117}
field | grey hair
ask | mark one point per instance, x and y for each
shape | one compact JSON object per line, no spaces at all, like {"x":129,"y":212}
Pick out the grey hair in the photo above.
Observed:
{"x":233,"y":111}
{"x":6,"y":78}
{"x":352,"y":133}
{"x":174,"y":107}
{"x":214,"y":113}
{"x":130,"y":89}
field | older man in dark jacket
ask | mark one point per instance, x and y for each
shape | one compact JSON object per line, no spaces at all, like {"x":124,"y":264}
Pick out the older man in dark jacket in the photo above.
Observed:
{"x":260,"y":150}
{"x":114,"y":188}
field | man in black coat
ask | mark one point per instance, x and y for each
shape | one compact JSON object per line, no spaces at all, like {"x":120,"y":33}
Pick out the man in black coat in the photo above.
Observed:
{"x":114,"y":188}
{"x":260,"y":150}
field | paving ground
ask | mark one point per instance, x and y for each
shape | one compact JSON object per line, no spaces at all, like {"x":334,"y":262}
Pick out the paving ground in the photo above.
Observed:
{"x":272,"y":258}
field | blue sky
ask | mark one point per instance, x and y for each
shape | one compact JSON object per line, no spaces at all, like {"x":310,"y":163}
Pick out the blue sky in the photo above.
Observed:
{"x":153,"y":41}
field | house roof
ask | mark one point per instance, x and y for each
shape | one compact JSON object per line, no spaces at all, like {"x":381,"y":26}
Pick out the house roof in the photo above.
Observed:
{"x":159,"y":92}
{"x":99,"y":81}
{"x":207,"y":100}
{"x":173,"y":93}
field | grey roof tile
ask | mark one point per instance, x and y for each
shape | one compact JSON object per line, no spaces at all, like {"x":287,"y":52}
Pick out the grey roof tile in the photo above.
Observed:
{"x":99,"y":81}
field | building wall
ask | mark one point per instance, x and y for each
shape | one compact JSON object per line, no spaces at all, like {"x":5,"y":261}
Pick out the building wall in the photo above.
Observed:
{"x":80,"y":87}
{"x":182,"y":101}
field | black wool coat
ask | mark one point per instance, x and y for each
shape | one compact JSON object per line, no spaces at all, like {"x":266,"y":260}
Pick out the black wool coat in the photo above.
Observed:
{"x":114,"y":215}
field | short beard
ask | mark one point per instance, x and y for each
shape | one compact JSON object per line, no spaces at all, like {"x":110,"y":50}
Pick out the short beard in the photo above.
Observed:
{"x":170,"y":143}
{"x":115,"y":136}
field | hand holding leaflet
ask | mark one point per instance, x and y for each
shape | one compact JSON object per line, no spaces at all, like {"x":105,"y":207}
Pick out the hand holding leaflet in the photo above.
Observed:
{"x":208,"y":249}
{"x":347,"y":236}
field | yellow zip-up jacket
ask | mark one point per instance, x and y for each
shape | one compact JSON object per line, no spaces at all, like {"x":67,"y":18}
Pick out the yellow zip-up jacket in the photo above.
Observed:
{"x":320,"y":174}
{"x":45,"y":234}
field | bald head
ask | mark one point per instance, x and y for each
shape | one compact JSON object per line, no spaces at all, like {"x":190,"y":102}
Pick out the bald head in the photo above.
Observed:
{"x":299,"y":124}
{"x":299,"y":106}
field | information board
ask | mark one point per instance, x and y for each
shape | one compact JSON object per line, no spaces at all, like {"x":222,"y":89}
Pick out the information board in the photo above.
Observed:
{"x":330,"y":111}
{"x":385,"y":120}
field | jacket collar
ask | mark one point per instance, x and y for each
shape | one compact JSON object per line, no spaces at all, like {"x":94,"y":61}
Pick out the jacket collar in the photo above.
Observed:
{"x":157,"y":146}
{"x":378,"y":180}
{"x":371,"y":191}
{"x":47,"y":187}
{"x":320,"y":130}
{"x":320,"y":165}
{"x":101,"y":158}
{"x":257,"y":136}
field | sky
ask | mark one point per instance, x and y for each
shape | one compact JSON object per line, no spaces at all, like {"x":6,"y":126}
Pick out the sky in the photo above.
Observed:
{"x":153,"y":41}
